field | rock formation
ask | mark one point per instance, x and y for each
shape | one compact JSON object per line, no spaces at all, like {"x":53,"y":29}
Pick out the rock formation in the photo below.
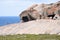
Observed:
{"x":29,"y":15}
{"x":42,"y":26}
{"x":42,"y":11}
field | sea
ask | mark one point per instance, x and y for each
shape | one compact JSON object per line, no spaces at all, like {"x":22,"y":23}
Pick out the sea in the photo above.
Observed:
{"x":5,"y":20}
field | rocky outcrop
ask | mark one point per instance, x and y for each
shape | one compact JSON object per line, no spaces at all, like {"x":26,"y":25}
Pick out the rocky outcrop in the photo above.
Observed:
{"x":29,"y":15}
{"x":42,"y":11}
{"x":42,"y":26}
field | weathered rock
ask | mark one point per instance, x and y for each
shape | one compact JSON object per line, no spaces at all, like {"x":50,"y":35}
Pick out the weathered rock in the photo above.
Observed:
{"x":45,"y":10}
{"x":29,"y":15}
{"x":42,"y":26}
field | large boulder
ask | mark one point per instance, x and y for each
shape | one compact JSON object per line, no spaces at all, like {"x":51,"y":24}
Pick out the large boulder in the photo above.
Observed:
{"x":41,"y":11}
{"x":28,"y":15}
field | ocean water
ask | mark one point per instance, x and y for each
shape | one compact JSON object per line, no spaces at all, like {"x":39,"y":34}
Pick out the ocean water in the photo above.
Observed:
{"x":5,"y":20}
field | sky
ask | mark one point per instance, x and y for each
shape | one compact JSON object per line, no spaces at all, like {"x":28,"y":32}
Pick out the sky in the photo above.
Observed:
{"x":15,"y":7}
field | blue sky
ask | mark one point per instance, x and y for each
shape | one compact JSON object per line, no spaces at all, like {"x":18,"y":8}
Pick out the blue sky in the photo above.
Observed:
{"x":15,"y":7}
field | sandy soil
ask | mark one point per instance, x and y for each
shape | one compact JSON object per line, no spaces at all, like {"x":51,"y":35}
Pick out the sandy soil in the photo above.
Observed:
{"x":32,"y":27}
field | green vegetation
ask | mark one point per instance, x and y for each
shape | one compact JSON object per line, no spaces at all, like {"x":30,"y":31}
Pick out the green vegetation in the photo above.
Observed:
{"x":30,"y":37}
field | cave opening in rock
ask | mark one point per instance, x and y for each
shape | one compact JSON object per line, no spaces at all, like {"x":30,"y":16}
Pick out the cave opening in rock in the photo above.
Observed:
{"x":25,"y":19}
